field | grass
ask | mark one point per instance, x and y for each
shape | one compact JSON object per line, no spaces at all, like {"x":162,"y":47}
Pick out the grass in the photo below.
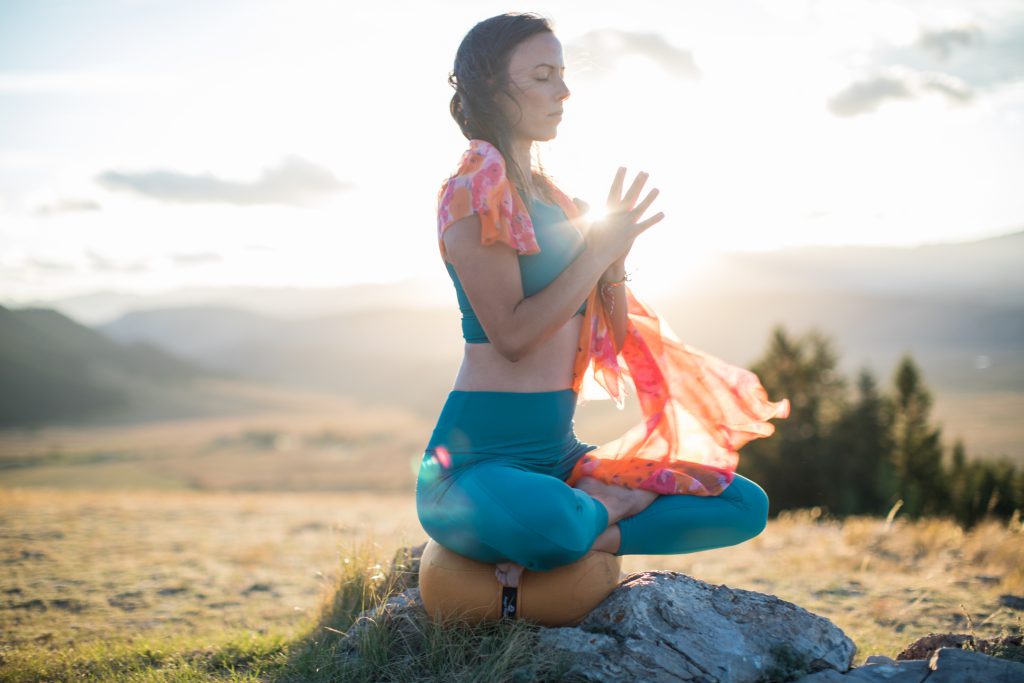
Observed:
{"x":185,"y":586}
{"x":318,"y":651}
{"x":414,"y":650}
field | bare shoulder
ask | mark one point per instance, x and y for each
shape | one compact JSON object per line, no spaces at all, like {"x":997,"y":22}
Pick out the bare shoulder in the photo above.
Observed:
{"x":463,"y":245}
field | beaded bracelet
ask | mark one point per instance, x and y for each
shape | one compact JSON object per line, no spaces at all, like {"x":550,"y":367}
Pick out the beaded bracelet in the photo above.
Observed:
{"x":606,"y":287}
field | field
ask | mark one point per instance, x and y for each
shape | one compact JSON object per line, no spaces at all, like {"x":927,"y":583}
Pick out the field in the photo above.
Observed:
{"x":210,"y":530}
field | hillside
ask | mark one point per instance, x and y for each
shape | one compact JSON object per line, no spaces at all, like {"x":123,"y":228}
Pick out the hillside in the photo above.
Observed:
{"x":54,"y":369}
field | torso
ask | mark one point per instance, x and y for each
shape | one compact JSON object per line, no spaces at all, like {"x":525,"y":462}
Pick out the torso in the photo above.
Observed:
{"x":547,"y":368}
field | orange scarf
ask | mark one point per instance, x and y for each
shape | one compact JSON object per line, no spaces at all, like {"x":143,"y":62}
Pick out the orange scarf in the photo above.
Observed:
{"x":698,"y":410}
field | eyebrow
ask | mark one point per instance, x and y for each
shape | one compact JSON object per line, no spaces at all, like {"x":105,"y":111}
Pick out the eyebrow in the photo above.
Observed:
{"x":551,"y":65}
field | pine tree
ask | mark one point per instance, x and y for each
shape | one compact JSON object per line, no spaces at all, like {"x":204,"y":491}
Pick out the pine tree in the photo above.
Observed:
{"x":917,"y":457}
{"x":861,"y":450}
{"x":792,"y":465}
{"x":959,"y":480}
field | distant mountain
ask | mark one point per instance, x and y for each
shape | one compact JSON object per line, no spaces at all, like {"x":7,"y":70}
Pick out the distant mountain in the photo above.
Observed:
{"x":404,"y":356}
{"x":96,"y":308}
{"x":54,"y":369}
{"x":984,"y":271}
{"x":370,"y":354}
{"x":958,"y":309}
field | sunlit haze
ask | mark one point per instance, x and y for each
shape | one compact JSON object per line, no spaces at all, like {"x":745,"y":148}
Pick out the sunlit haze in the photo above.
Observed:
{"x":147,"y":146}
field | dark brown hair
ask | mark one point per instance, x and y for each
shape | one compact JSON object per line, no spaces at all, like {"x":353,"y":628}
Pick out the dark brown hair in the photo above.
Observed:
{"x":480,"y":74}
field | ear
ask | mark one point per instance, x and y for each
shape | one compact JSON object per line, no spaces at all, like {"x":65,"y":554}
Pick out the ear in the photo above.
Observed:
{"x":581,"y":205}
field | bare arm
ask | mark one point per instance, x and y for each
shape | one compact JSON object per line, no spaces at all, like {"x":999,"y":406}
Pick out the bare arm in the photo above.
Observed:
{"x":615,"y":300}
{"x":490,"y":276}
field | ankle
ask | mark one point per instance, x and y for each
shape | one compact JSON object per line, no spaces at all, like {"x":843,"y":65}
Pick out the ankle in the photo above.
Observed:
{"x":609,"y":540}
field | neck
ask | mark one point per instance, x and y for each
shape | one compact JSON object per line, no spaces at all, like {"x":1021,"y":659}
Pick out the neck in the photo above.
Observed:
{"x":521,"y":151}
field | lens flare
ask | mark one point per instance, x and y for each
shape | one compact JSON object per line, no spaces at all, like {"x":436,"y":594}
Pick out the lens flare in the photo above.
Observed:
{"x":442,"y":456}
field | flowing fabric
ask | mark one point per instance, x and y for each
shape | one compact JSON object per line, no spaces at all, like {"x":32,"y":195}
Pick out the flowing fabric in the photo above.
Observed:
{"x":698,"y":410}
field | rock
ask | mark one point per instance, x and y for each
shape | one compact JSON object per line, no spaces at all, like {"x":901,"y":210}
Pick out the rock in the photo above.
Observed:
{"x":401,"y":610}
{"x":404,"y":570}
{"x":877,"y":669}
{"x":1012,"y":601}
{"x":923,"y":647}
{"x":952,"y":665}
{"x":824,"y":676}
{"x":662,"y":626}
{"x":665,"y":625}
{"x":945,"y":665}
{"x":1005,"y":647}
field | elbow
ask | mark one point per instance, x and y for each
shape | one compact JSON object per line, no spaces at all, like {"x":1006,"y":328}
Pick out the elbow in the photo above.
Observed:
{"x":508,"y":349}
{"x":511,"y":346}
{"x":509,"y":341}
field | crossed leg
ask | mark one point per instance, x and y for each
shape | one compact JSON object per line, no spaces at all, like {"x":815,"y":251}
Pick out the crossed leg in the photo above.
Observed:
{"x":499,"y":512}
{"x":503,"y":514}
{"x":619,"y":501}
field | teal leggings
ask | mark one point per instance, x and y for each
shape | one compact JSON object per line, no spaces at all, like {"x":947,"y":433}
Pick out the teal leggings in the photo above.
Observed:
{"x":491,"y":486}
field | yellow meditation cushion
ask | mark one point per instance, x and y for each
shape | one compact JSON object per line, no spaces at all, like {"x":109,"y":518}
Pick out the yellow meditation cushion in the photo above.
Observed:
{"x":455,"y":587}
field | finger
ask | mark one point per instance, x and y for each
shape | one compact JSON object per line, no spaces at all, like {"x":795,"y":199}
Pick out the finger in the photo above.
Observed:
{"x":634,"y":190}
{"x":616,"y":191}
{"x":581,"y":205}
{"x":642,"y":206}
{"x":650,"y":221}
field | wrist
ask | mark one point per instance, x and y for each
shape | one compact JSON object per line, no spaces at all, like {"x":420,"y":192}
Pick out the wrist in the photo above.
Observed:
{"x":613,"y":274}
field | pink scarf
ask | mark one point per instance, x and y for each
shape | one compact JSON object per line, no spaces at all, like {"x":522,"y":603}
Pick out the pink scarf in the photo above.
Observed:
{"x":698,"y":410}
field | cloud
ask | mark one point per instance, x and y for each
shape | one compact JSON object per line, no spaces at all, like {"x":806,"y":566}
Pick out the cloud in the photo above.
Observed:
{"x":896,"y":83}
{"x":67,"y":206}
{"x":196,"y":258}
{"x":960,"y":61}
{"x":941,"y":43}
{"x":101,"y":263}
{"x":598,"y":50}
{"x":43,"y":264}
{"x":294,"y":181}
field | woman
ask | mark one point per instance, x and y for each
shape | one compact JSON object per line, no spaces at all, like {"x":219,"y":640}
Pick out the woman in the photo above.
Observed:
{"x":503,"y":478}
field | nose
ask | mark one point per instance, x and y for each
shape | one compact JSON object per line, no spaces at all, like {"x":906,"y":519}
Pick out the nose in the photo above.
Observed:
{"x":564,"y":93}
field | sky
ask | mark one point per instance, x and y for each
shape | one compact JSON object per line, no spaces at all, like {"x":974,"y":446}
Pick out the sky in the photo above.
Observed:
{"x":148,"y":145}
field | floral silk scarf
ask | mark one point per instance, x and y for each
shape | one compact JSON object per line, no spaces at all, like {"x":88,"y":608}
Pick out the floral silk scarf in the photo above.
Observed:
{"x":698,"y":410}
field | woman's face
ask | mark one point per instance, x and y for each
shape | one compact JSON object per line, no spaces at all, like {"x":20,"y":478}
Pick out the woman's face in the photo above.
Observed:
{"x":536,"y":72}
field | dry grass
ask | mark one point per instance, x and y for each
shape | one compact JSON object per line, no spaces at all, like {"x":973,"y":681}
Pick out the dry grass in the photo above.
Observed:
{"x":92,"y":566}
{"x":199,"y":533}
{"x":333,"y":448}
{"x":84,"y":565}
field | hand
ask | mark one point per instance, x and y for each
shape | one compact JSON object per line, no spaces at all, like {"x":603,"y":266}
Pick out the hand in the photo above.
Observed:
{"x":615,"y":272}
{"x":617,"y":269}
{"x":612,"y":236}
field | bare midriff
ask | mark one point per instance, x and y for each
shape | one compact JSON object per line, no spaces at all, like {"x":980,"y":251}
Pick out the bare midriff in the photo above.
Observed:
{"x":548,"y":367}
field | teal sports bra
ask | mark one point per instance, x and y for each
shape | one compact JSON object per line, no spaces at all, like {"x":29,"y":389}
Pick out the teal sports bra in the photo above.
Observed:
{"x":560,"y":243}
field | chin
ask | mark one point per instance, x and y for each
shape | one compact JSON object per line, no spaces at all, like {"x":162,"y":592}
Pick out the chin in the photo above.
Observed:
{"x":548,"y":135}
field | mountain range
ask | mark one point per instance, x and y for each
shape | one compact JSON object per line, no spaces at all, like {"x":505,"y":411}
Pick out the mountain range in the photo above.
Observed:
{"x":958,"y":309}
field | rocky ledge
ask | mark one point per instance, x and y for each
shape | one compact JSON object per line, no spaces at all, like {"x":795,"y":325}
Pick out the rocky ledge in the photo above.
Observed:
{"x":667,"y":626}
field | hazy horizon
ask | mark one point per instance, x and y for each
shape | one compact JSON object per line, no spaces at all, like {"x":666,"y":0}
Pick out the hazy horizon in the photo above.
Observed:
{"x":149,"y":146}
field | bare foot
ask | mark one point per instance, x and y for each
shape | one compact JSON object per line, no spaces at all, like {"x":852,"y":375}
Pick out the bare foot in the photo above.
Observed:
{"x":508,"y":573}
{"x":621,"y":501}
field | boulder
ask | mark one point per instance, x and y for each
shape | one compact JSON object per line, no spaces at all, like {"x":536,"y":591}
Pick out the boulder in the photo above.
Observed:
{"x":667,"y":626}
{"x":945,"y":662}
